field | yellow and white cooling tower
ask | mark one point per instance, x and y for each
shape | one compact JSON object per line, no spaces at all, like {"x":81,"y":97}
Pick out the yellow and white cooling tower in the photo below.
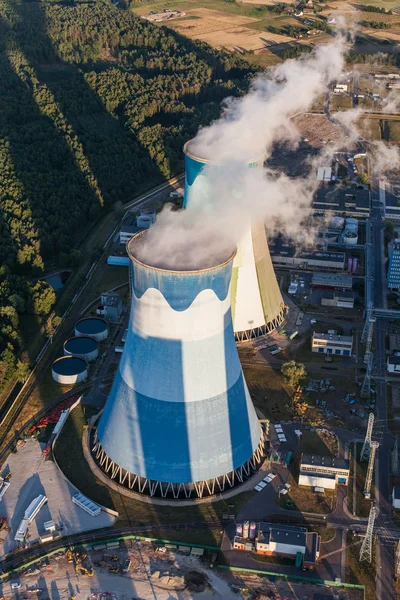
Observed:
{"x":257,"y":304}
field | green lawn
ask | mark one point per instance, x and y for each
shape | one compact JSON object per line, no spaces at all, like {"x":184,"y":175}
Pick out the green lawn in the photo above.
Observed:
{"x":269,"y":392}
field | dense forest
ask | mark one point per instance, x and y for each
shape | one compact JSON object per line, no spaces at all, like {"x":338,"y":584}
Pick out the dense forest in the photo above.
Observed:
{"x":95,"y":105}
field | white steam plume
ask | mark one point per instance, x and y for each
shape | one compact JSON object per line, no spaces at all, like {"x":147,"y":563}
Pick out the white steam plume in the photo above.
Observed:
{"x":228,"y":194}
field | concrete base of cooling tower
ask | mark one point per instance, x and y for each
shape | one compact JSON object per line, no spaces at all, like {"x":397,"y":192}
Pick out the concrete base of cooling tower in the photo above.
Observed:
{"x":255,"y":476}
{"x":257,"y":332}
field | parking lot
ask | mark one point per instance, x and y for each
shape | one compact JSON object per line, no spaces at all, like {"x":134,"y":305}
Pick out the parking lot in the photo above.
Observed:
{"x":32,"y":475}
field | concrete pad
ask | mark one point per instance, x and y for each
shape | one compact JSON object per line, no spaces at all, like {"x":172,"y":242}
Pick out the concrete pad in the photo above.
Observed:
{"x":33,"y":475}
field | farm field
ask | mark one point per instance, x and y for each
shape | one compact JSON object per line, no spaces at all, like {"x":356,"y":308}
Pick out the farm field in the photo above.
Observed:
{"x":250,"y":28}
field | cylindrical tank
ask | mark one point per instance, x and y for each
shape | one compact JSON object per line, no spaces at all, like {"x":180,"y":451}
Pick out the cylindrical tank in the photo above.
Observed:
{"x":239,"y":529}
{"x":144,"y":221}
{"x":252,"y":530}
{"x":349,"y":264}
{"x":92,"y":327}
{"x":82,"y":346}
{"x":351,"y":221}
{"x":246,"y":529}
{"x":149,"y":212}
{"x":69,"y":370}
{"x":257,"y":304}
{"x":350,"y":238}
{"x":354,"y":267}
{"x":337,"y":222}
{"x":179,"y":415}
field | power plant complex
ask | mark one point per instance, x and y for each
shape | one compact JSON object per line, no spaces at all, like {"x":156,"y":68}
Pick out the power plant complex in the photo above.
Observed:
{"x":257,"y":304}
{"x":179,"y":421}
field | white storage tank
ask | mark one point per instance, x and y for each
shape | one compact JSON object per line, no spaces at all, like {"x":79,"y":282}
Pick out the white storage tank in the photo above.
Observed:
{"x":253,"y":530}
{"x":68,"y":370}
{"x":82,"y":346}
{"x":92,"y":327}
{"x":350,"y":238}
{"x":337,"y":223}
{"x":148,"y":212}
{"x":239,"y":529}
{"x":144,"y":221}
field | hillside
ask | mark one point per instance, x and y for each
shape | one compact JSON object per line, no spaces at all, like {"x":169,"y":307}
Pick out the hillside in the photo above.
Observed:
{"x":95,"y":105}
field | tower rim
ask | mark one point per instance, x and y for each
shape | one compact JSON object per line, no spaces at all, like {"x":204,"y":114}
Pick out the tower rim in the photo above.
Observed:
{"x":146,"y":265}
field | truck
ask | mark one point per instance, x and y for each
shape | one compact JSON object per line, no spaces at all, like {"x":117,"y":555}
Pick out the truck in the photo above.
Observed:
{"x":293,"y":334}
{"x":178,"y":193}
{"x":127,"y":565}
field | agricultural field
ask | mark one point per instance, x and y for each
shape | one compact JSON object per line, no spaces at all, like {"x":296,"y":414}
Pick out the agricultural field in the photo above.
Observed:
{"x":251,"y":28}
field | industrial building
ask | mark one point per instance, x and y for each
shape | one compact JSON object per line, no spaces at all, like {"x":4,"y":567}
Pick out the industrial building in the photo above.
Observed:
{"x":328,"y":343}
{"x":69,"y":370}
{"x":136,"y":223}
{"x":288,"y":257}
{"x":179,"y":421}
{"x":343,"y":201}
{"x":92,"y":327}
{"x":323,"y":471}
{"x":110,"y":307}
{"x":396,"y":496}
{"x":278,"y":540}
{"x":330,"y":281}
{"x":390,"y":201}
{"x":324,"y":174}
{"x":83,"y":347}
{"x":338,"y":299}
{"x":393,"y":364}
{"x":393,"y":276}
{"x":257,"y":304}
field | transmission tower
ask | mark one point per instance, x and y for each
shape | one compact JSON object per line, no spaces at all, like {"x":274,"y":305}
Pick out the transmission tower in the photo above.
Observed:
{"x":366,"y":546}
{"x":367,"y":324}
{"x":370,"y":470}
{"x":366,"y":386}
{"x":395,"y":457}
{"x":368,"y":436}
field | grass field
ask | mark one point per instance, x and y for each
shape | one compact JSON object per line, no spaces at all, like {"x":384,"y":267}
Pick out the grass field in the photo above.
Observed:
{"x":269,"y":392}
{"x":69,"y":455}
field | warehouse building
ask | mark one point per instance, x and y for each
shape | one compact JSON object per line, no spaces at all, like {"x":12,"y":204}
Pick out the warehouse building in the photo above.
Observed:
{"x":281,"y":540}
{"x":342,"y":200}
{"x":287,"y":257}
{"x":323,"y":471}
{"x":329,"y":281}
{"x":338,"y":299}
{"x":328,"y":343}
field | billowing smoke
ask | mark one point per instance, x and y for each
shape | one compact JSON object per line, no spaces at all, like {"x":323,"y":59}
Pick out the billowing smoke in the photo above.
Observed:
{"x":228,"y":194}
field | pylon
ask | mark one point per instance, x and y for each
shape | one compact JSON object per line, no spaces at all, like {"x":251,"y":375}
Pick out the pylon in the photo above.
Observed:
{"x":368,"y":479}
{"x":367,"y":442}
{"x":366,"y":546}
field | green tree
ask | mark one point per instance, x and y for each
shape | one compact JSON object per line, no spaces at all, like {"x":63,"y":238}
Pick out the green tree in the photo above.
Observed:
{"x":293,"y":372}
{"x":22,"y":371}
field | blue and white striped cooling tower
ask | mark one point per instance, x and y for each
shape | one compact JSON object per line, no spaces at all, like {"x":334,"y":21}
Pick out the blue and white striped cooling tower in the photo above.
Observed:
{"x":179,"y":420}
{"x":257,"y":304}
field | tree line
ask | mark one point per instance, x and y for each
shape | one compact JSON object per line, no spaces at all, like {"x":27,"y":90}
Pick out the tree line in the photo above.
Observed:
{"x":95,"y":106}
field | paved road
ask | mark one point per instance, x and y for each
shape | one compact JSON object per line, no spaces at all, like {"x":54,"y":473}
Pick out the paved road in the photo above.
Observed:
{"x":384,"y":579}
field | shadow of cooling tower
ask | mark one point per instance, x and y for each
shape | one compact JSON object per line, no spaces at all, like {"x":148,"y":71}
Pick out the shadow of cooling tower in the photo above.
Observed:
{"x":179,"y":421}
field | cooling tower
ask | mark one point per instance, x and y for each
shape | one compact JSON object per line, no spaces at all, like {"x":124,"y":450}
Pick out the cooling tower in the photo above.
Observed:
{"x":257,"y":304}
{"x":179,"y":421}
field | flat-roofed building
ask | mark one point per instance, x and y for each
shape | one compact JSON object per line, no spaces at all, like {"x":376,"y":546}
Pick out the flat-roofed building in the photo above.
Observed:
{"x":338,"y":299}
{"x":328,"y":343}
{"x":330,"y":281}
{"x":284,"y":253}
{"x":342,"y":200}
{"x":323,"y":471}
{"x":393,"y":276}
{"x":111,"y":306}
{"x":393,"y":364}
